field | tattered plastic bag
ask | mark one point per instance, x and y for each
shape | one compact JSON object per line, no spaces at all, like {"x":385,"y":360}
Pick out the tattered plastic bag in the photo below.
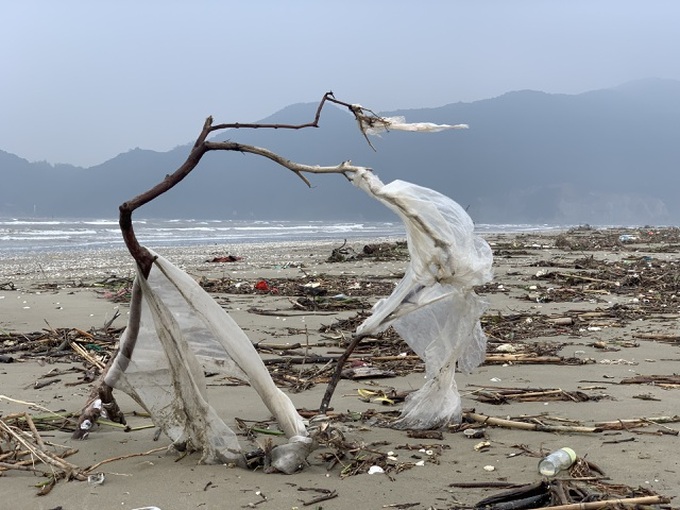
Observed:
{"x":175,"y":332}
{"x":434,"y":307}
{"x":371,"y":125}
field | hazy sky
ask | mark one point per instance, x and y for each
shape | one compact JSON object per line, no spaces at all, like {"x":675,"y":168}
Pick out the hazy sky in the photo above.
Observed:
{"x":82,"y":81}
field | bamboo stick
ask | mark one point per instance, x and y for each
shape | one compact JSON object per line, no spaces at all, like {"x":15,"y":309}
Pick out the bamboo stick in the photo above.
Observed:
{"x":499,"y":422}
{"x":594,"y":505}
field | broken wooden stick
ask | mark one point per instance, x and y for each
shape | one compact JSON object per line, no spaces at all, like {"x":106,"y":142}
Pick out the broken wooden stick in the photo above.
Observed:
{"x":611,"y":503}
{"x":513,"y":424}
{"x":636,"y":422}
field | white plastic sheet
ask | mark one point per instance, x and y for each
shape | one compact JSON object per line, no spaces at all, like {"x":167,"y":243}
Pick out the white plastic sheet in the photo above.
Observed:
{"x":375,"y":126}
{"x":434,"y":307}
{"x":175,"y":332}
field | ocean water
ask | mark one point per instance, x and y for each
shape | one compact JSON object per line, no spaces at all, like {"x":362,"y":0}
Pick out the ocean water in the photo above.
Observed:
{"x":22,"y":235}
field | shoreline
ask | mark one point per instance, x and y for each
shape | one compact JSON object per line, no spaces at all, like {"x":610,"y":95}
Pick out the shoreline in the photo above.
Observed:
{"x":576,"y":322}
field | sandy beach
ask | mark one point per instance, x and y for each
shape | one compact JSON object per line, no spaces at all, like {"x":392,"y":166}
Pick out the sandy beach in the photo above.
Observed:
{"x":575,"y":320}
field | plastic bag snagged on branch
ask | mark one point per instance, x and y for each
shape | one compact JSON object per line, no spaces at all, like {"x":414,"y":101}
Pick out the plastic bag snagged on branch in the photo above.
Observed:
{"x":376,"y":125}
{"x":434,"y":307}
{"x":175,"y":332}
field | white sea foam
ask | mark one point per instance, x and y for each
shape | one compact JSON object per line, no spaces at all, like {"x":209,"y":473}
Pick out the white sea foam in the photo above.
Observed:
{"x":22,"y":235}
{"x":41,"y":235}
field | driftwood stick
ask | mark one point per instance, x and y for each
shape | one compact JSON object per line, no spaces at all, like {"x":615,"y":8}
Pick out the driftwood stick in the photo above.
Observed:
{"x":90,"y":469}
{"x":7,"y":466}
{"x":636,"y":422}
{"x":330,"y":389}
{"x":34,"y":431}
{"x":43,"y":456}
{"x":319,"y":499}
{"x":522,"y":358}
{"x":657,"y":336}
{"x":86,"y":355}
{"x":610,"y":503}
{"x":32,"y":404}
{"x":512,"y":424}
{"x":581,"y":277}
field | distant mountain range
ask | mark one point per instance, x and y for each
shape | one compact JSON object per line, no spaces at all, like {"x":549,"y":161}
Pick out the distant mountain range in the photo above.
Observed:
{"x":608,"y":156}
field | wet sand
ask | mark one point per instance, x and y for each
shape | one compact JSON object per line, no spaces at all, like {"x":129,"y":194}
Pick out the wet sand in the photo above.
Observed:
{"x":59,"y":291}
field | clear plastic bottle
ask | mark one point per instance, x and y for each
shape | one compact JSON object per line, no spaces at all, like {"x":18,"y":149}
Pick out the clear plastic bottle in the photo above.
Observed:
{"x":557,"y":461}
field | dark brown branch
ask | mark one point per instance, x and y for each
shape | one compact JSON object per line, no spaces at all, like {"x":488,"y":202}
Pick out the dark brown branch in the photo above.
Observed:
{"x":328,"y":96}
{"x":364,"y":117}
{"x":141,"y":255}
{"x":335,"y":378}
{"x":297,"y":168}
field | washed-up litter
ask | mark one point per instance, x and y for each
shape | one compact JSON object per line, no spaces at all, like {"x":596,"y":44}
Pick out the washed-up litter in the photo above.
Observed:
{"x":434,"y":307}
{"x":584,"y":488}
{"x":176,"y":331}
{"x":226,"y":258}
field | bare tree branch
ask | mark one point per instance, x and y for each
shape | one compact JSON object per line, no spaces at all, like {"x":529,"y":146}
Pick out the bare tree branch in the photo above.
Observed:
{"x":297,"y":168}
{"x":143,"y":257}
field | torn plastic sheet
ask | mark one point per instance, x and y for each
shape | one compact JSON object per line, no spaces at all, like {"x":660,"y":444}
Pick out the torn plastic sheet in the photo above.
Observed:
{"x":176,"y":331}
{"x":434,"y":307}
{"x":375,"y":126}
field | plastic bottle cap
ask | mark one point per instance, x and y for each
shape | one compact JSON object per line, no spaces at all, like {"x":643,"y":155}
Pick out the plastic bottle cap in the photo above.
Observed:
{"x":571,"y":453}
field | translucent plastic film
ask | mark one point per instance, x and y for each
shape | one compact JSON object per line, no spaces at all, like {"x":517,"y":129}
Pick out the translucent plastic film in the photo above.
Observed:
{"x":175,"y":333}
{"x":434,"y":307}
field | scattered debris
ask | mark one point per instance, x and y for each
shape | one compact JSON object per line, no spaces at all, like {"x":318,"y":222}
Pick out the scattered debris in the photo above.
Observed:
{"x":226,"y":258}
{"x":609,"y":293}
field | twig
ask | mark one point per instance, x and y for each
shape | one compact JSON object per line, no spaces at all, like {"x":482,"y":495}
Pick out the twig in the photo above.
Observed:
{"x":122,"y":457}
{"x":485,"y":485}
{"x":499,"y":422}
{"x":44,"y":456}
{"x":335,"y":378}
{"x":6,"y":466}
{"x":580,"y":277}
{"x":34,"y":431}
{"x":32,"y":404}
{"x":323,"y":497}
{"x":664,"y":429}
{"x":86,"y":355}
{"x":522,"y":358}
{"x":594,"y":505}
{"x":108,"y":323}
{"x":636,"y":422}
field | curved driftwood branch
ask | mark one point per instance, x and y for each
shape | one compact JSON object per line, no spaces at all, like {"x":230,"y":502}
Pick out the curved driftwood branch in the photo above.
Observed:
{"x":365,"y":118}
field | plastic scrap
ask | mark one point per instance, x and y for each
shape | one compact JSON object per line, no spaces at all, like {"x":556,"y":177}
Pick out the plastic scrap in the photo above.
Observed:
{"x":262,"y":285}
{"x":175,"y":332}
{"x":434,"y":307}
{"x":375,"y":126}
